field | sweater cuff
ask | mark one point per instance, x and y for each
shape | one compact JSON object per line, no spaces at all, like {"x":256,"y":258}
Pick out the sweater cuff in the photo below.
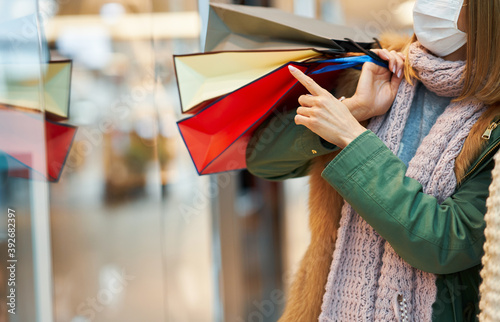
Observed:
{"x":363,"y":148}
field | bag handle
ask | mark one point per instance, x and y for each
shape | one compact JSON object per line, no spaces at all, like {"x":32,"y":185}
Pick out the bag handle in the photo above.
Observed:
{"x":348,"y":62}
{"x":368,"y":52}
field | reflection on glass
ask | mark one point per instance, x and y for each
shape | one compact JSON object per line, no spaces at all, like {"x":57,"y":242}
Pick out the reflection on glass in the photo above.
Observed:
{"x":24,"y":245}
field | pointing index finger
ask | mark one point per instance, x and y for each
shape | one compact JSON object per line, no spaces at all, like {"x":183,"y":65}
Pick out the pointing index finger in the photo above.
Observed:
{"x":305,"y":80}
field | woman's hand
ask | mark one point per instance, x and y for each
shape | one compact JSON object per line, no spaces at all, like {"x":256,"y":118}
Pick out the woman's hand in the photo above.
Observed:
{"x":324,"y":114}
{"x":377,"y":86}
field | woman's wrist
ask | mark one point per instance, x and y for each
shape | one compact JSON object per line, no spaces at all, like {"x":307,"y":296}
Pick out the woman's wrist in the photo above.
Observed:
{"x":357,"y":110}
{"x":351,"y":135}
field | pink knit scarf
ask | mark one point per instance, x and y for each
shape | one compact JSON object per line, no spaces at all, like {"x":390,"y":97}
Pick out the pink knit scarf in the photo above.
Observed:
{"x":368,"y":280}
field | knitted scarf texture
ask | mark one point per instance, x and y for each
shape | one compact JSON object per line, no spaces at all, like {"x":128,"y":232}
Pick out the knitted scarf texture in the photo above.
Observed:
{"x":490,"y":287}
{"x":368,"y":280}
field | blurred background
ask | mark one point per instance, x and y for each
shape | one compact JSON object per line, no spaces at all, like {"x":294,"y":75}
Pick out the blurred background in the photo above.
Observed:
{"x":130,"y":232}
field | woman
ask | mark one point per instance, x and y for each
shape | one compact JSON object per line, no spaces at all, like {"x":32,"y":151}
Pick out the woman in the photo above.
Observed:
{"x":415,"y":181}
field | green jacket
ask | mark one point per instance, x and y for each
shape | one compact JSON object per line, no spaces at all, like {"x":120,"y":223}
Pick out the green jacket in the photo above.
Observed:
{"x":445,"y":239}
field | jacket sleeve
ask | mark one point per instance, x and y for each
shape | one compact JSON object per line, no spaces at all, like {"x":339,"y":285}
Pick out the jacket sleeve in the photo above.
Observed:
{"x":280,"y":149}
{"x":438,"y":238}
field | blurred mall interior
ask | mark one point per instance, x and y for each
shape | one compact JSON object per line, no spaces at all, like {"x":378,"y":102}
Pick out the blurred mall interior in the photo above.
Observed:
{"x":129,"y":231}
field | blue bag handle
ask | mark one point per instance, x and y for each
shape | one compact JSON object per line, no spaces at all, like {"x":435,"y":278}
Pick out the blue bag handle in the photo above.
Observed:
{"x":347,"y":62}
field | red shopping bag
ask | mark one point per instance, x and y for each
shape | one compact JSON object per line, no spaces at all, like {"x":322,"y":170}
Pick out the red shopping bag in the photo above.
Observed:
{"x":217,"y":136}
{"x":32,"y":155}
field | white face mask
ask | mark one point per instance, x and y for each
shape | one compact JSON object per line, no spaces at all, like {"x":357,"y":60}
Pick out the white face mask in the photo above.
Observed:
{"x":435,"y":24}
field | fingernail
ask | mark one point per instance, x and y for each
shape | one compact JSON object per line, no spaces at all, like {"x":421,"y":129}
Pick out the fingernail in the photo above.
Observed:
{"x":292,"y":68}
{"x":399,"y":73}
{"x":394,"y":69}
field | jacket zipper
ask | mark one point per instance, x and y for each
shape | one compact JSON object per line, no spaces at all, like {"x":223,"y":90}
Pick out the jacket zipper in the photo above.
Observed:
{"x":486,"y":136}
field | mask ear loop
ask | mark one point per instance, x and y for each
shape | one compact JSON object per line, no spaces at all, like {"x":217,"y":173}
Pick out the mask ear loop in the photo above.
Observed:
{"x":369,"y":53}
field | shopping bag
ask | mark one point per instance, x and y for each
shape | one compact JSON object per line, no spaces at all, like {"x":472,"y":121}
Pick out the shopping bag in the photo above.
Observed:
{"x":239,"y":27}
{"x":21,"y":139}
{"x":206,"y":76}
{"x":217,"y":136}
{"x":21,"y":87}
